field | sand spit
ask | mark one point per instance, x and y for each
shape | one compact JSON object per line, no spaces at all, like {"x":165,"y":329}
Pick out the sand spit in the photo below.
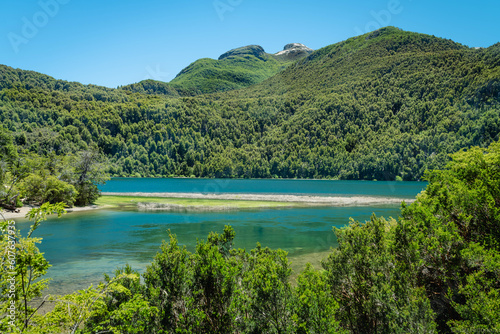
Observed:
{"x":318,"y":200}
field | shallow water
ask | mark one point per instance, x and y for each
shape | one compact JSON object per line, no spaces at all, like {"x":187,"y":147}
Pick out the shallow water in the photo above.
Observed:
{"x":81,"y":246}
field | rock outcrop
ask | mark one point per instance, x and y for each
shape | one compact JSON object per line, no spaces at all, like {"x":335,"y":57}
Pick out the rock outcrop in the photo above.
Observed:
{"x":294,"y":51}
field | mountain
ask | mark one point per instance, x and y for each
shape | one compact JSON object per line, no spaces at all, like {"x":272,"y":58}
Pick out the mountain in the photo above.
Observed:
{"x":235,"y":69}
{"x":384,"y":105}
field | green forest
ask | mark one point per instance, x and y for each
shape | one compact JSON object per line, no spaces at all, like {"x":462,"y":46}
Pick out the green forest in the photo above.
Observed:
{"x":436,"y":269}
{"x":385,"y":105}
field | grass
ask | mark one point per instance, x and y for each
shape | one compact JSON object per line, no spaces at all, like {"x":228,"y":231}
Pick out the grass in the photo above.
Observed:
{"x":298,"y":263}
{"x":131,"y":201}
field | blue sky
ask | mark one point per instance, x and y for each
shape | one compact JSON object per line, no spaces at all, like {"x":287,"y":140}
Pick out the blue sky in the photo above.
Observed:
{"x":112,"y":43}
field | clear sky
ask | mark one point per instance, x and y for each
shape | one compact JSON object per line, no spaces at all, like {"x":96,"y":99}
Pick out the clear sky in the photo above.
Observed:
{"x":112,"y":43}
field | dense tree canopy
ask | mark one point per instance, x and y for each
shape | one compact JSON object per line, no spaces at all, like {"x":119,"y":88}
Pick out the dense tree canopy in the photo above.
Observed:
{"x":384,"y":105}
{"x":28,"y":178}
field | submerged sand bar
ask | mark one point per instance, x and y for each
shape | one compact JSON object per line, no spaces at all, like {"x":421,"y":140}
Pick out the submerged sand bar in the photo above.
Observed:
{"x":318,"y":200}
{"x":232,"y":201}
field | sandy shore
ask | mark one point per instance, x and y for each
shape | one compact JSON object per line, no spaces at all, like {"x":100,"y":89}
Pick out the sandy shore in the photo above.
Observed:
{"x":24,"y":210}
{"x":318,"y":200}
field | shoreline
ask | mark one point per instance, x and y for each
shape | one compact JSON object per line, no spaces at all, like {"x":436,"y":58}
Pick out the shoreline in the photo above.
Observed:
{"x":25,"y":209}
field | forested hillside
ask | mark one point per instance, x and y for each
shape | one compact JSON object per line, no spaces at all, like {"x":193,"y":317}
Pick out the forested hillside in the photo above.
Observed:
{"x":385,"y":105}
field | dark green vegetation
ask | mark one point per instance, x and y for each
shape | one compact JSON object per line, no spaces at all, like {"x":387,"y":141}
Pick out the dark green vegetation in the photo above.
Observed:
{"x":434,"y":270}
{"x":385,"y":105}
{"x":28,"y":178}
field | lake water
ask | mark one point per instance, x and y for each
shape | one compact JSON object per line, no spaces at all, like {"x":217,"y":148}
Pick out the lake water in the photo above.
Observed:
{"x":291,"y":187}
{"x":82,"y":246}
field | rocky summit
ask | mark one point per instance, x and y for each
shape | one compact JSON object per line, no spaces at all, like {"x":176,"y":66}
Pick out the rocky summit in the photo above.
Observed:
{"x":294,"y":51}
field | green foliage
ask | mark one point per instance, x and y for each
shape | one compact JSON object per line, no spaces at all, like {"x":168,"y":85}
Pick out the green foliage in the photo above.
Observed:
{"x":213,"y":286}
{"x":165,"y":280}
{"x":94,"y":309}
{"x":382,"y":106}
{"x":468,"y":194}
{"x":121,"y":306}
{"x":315,"y":305}
{"x":218,"y":289}
{"x":21,"y":273}
{"x":152,"y":87}
{"x":374,"y":294}
{"x":89,"y":172}
{"x":481,"y":310}
{"x":7,"y":152}
{"x":194,"y":292}
{"x":270,"y":295}
{"x":448,"y":239}
{"x":39,"y":189}
{"x":72,"y":179}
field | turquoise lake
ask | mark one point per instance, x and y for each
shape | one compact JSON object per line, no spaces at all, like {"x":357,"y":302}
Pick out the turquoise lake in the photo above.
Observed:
{"x":277,"y":186}
{"x":82,"y":246}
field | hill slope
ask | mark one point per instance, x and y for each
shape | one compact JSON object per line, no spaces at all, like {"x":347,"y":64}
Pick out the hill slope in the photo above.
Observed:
{"x":384,"y":105}
{"x":235,"y":69}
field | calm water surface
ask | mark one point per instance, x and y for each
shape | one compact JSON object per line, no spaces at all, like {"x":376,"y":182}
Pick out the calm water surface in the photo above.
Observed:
{"x":296,"y":187}
{"x":82,"y":246}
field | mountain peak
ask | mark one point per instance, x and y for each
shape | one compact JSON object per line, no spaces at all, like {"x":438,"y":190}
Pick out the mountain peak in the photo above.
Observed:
{"x":294,"y":51}
{"x":254,"y":50}
{"x":291,"y":46}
